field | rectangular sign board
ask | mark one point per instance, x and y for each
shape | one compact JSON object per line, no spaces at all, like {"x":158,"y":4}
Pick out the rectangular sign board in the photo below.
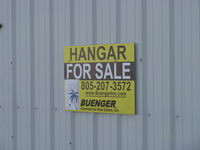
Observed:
{"x":100,"y":78}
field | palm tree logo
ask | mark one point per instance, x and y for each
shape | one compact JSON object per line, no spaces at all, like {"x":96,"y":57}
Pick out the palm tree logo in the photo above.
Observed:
{"x":74,"y":98}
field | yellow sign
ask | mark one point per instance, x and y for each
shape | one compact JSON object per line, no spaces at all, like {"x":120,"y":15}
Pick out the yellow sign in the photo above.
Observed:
{"x":100,"y":78}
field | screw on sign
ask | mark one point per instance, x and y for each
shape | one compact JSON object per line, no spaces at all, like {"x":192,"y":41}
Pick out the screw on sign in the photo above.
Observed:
{"x":1,"y":26}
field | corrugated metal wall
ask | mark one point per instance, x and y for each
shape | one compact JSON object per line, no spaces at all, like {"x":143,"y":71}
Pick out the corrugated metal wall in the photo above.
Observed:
{"x":167,"y":37}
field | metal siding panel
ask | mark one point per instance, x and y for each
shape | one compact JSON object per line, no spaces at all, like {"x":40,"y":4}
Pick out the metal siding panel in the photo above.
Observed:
{"x":178,"y":77}
{"x":23,"y":75}
{"x":156,"y":75}
{"x":42,"y":116}
{"x":1,"y":87}
{"x":172,"y":74}
{"x":32,"y":75}
{"x":186,"y":75}
{"x":1,"y":83}
{"x":10,"y":60}
{"x":157,"y":68}
{"x":61,"y":16}
{"x":185,"y":95}
{"x":20,"y":65}
{"x":150,"y":75}
{"x":195,"y":73}
{"x":144,"y":74}
{"x":9,"y":143}
{"x":5,"y":76}
{"x":51,"y":74}
{"x":165,"y":77}
{"x":37,"y":81}
{"x":14,"y":81}
{"x":137,"y":38}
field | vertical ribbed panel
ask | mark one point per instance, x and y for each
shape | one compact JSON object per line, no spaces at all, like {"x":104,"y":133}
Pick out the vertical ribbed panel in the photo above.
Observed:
{"x":34,"y":33}
{"x":22,"y":63}
{"x":6,"y":115}
{"x":158,"y":70}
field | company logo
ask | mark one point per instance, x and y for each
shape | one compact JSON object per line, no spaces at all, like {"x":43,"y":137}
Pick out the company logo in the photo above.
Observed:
{"x":74,"y":99}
